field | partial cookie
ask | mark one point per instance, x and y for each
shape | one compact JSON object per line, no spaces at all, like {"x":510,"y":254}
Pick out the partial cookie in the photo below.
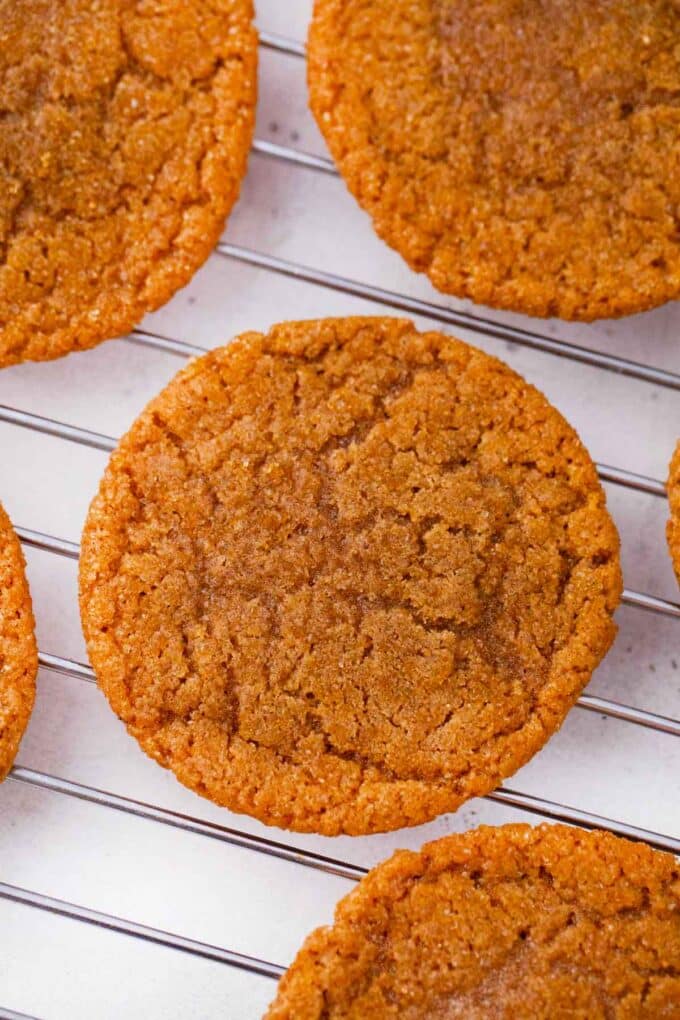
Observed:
{"x":512,"y":923}
{"x":523,"y":155}
{"x":344,"y":576}
{"x":125,"y":134}
{"x":18,"y":651}
{"x":673,"y":525}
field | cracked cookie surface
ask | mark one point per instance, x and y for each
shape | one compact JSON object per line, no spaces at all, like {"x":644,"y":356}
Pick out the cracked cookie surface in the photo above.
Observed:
{"x":124,"y":133}
{"x":344,"y":576}
{"x":18,"y":651}
{"x":522,"y":153}
{"x":513,"y":923}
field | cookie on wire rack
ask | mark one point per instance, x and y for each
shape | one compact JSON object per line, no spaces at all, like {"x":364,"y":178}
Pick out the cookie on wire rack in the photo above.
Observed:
{"x":125,"y":135}
{"x":18,"y":651}
{"x":523,"y":155}
{"x":344,"y":576}
{"x":513,"y":923}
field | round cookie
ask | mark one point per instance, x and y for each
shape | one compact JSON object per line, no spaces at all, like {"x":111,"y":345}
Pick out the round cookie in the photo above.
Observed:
{"x":673,"y":525}
{"x":125,"y":134}
{"x":523,"y":155}
{"x":18,"y":651}
{"x":512,"y":923}
{"x":345,"y":576}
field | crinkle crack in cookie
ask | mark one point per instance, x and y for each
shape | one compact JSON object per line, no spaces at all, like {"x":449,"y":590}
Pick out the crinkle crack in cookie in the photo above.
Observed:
{"x":673,"y":526}
{"x":522,"y":153}
{"x":511,"y":923}
{"x":18,"y":652}
{"x":344,"y":576}
{"x":124,"y":134}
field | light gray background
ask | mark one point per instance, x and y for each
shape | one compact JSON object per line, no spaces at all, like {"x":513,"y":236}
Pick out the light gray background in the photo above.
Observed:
{"x":248,"y":902}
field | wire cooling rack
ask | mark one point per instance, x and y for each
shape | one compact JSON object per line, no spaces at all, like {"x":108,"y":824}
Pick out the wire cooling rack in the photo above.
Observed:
{"x":123,"y":894}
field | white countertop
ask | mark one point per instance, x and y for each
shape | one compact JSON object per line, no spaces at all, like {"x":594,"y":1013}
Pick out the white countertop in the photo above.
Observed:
{"x":206,"y":889}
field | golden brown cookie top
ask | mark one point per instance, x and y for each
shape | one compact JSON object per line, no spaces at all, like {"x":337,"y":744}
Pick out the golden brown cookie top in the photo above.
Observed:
{"x":344,"y":576}
{"x":513,"y":923}
{"x":673,"y":526}
{"x":522,"y":153}
{"x":18,"y":652}
{"x":125,"y":134}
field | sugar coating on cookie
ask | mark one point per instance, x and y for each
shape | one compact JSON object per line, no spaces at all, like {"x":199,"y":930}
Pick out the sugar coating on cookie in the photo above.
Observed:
{"x":18,"y":651}
{"x":673,"y":525}
{"x":125,"y":134}
{"x":345,"y":576}
{"x":523,"y":155}
{"x":513,"y":923}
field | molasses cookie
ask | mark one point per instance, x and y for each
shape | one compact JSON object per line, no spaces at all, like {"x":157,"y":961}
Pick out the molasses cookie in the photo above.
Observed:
{"x":673,"y":526}
{"x":523,"y":155}
{"x":125,"y":134}
{"x":513,"y":923}
{"x":18,"y":652}
{"x":344,"y":576}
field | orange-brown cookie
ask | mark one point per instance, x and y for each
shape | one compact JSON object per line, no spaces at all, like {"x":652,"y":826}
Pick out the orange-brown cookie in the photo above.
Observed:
{"x":125,"y":133}
{"x":18,"y":652}
{"x":512,"y":923}
{"x":673,"y":526}
{"x":344,"y":576}
{"x":522,"y":154}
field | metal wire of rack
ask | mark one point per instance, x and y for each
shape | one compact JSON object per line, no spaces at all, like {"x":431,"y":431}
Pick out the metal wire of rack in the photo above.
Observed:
{"x":79,"y":671}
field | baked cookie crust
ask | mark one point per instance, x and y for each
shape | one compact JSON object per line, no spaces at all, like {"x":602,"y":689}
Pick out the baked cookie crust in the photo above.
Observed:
{"x":18,"y":650}
{"x":125,"y":134}
{"x":345,"y":576}
{"x":522,"y":154}
{"x":513,"y":923}
{"x":673,"y":525}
